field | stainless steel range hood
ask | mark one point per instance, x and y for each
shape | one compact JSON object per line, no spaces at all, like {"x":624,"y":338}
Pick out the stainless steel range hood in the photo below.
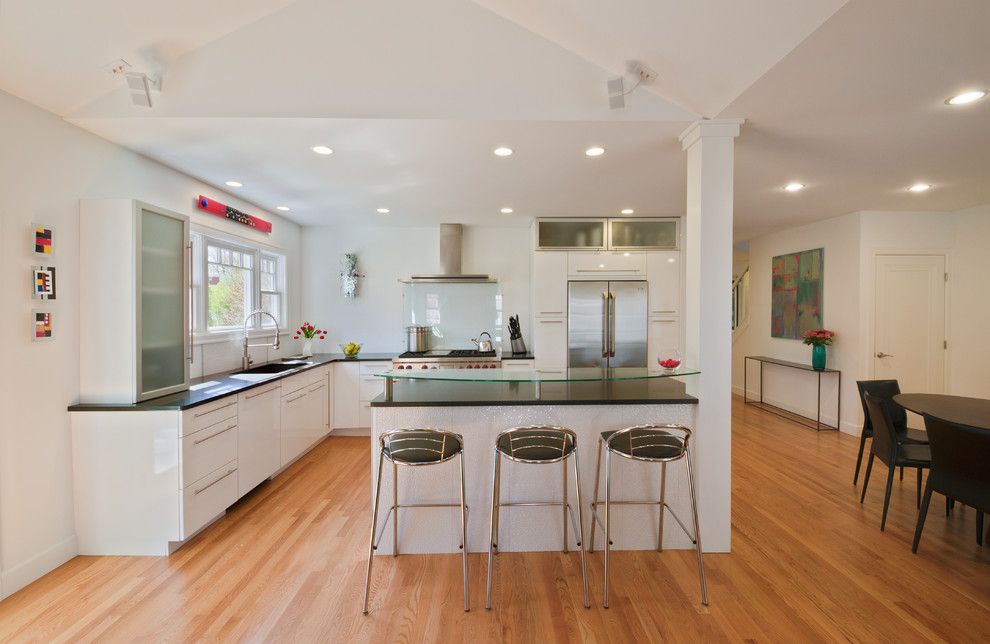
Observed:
{"x":451,"y":236}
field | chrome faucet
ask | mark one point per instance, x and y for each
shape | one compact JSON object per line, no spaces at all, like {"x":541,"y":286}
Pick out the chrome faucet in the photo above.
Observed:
{"x":246,"y":360}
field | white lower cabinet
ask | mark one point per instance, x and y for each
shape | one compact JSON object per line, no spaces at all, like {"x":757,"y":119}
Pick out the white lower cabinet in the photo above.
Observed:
{"x":303,"y":417}
{"x":258,"y":436}
{"x":550,"y":343}
{"x":663,"y":334}
{"x":518,"y":365}
{"x":208,"y":498}
{"x":346,"y":394}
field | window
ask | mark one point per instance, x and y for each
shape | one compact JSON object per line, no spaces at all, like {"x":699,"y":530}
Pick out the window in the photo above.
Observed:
{"x":231,"y":281}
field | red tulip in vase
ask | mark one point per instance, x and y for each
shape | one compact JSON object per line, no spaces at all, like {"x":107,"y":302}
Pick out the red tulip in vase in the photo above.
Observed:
{"x":309,"y":332}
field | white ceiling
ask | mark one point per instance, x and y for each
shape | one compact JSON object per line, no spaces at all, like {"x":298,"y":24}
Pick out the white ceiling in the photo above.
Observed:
{"x":845,"y":97}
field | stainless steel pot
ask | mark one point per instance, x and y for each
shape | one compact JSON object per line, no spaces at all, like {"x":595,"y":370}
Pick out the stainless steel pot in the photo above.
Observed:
{"x":418,"y":338}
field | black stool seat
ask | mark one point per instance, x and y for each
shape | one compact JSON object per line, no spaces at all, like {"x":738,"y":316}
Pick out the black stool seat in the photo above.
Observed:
{"x":419,"y":447}
{"x":539,"y":444}
{"x":646,"y":443}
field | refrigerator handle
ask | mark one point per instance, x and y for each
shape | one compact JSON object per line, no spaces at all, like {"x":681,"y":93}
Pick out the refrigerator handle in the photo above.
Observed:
{"x":605,"y":334}
{"x":611,"y":325}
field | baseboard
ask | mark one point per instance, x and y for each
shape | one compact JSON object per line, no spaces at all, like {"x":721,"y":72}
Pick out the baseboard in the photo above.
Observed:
{"x":351,"y":431}
{"x":36,"y":567}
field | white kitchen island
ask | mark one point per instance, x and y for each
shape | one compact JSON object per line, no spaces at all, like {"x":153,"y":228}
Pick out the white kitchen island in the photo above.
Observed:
{"x":480,"y":405}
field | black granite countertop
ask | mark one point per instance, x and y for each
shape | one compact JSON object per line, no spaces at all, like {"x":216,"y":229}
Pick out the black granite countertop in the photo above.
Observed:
{"x":518,"y":356}
{"x":436,"y":393}
{"x":210,"y":388}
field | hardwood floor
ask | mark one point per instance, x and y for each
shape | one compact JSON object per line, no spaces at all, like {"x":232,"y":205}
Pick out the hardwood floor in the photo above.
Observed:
{"x":809,"y":563}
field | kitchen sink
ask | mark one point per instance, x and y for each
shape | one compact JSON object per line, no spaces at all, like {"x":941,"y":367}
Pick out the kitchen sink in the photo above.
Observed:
{"x":270,"y":368}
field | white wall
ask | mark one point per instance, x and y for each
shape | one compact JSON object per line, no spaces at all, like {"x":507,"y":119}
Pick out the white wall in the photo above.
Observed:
{"x":46,"y":167}
{"x":788,"y":388}
{"x":851,"y":244}
{"x":374,"y":317}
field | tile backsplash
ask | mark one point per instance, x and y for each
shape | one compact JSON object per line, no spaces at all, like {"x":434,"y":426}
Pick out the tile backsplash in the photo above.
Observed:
{"x":217,"y":357}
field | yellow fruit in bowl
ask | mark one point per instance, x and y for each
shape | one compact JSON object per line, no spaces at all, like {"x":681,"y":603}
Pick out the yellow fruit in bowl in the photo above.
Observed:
{"x":350,"y":349}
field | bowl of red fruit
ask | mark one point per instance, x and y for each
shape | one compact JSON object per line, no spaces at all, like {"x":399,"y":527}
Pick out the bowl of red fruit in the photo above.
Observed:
{"x":669,"y":360}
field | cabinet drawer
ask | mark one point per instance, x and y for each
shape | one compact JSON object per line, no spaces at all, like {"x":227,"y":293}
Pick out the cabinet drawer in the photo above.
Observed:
{"x":300,"y":380}
{"x":208,"y":449}
{"x":518,"y":365}
{"x":209,"y":414}
{"x":208,"y":497}
{"x":365,"y":414}
{"x":606,"y":265}
{"x":369,"y":368}
{"x":370,"y":387}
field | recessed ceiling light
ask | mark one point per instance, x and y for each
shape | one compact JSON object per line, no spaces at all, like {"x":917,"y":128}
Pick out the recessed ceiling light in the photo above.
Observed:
{"x":966,"y":97}
{"x":595,"y":151}
{"x":282,"y":208}
{"x":383,"y":211}
{"x":322,"y":149}
{"x":920,"y":187}
{"x":794,"y":186}
{"x":506,"y":211}
{"x":503,"y":151}
{"x":234,"y":184}
{"x":627,"y":211}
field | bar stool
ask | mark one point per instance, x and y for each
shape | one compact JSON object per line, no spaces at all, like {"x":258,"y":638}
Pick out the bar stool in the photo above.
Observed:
{"x":541,"y":445}
{"x":652,"y":444}
{"x":415,"y":447}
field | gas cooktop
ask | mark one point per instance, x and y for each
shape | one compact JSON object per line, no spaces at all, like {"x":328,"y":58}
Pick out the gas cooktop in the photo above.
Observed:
{"x":448,"y":353}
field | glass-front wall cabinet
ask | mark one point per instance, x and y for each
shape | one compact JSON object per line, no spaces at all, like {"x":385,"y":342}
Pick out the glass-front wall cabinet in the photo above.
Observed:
{"x":566,"y":234}
{"x":607,"y":234}
{"x":642,"y":234}
{"x":163,"y":298}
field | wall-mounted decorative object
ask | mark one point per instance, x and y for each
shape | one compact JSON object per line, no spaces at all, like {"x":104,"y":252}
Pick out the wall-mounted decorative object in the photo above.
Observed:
{"x":43,"y":238}
{"x":220,"y":210}
{"x":797,"y":281}
{"x":42,"y":329}
{"x":43,"y":281}
{"x":348,"y":275}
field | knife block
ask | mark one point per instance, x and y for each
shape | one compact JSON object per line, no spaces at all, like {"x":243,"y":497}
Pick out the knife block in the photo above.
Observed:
{"x":518,"y":345}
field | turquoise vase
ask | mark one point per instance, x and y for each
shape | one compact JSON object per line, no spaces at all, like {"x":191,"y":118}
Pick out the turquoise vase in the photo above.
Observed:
{"x":818,"y":357}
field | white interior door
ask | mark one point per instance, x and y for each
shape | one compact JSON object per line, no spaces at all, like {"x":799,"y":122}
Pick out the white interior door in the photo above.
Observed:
{"x":909,"y":333}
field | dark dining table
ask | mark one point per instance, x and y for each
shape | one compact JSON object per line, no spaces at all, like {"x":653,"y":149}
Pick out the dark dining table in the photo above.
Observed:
{"x":973,"y":412}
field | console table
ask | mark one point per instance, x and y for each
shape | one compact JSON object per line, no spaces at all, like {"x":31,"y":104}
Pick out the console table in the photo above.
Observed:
{"x":814,"y":423}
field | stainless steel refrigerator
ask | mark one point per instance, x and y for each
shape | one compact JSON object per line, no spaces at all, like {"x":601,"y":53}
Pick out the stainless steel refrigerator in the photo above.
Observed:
{"x":606,"y":324}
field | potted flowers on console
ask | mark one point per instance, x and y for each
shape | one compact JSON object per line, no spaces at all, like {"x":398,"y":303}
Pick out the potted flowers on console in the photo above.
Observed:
{"x":818,"y":339}
{"x":309,"y":332}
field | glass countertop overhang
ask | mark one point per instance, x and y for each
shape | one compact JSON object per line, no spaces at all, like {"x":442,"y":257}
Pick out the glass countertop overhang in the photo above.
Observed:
{"x":584,"y":374}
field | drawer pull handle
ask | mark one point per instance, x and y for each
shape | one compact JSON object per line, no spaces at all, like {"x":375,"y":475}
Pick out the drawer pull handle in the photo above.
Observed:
{"x":222,"y":431}
{"x":551,"y":312}
{"x":551,"y":321}
{"x":207,"y":487}
{"x":316,"y":388}
{"x":608,"y":270}
{"x":203,"y":413}
{"x":260,"y":393}
{"x":291,"y":400}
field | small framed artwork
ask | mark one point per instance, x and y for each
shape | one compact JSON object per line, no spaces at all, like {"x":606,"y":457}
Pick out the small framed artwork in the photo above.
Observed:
{"x":43,"y":278}
{"x":43,"y":329}
{"x":43,"y":238}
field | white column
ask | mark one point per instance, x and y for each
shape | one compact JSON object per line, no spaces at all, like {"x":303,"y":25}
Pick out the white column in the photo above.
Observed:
{"x":707,"y":313}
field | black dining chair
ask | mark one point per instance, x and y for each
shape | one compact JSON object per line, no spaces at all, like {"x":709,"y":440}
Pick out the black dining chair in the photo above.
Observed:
{"x":960,"y":470}
{"x":891,"y":451}
{"x":885,"y":389}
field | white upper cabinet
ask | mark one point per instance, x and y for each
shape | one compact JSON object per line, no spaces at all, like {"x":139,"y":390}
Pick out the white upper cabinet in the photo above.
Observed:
{"x":134,"y":301}
{"x":569,"y":234}
{"x":549,"y":284}
{"x":606,"y":265}
{"x":663,"y":270}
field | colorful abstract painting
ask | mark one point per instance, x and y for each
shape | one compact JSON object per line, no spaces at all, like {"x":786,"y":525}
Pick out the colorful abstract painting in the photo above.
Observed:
{"x":44,"y":239}
{"x":44,"y":282}
{"x":43,"y":329}
{"x":796,"y":293}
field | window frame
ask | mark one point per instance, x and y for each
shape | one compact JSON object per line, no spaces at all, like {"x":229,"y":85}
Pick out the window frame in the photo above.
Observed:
{"x":201,"y":241}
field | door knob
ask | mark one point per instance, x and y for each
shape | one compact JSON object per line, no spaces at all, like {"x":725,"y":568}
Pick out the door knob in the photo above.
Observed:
{"x":881,"y":354}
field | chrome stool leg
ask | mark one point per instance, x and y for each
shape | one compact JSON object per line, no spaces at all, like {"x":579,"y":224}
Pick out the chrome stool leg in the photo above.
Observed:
{"x":371,"y":540}
{"x":464,"y":549}
{"x":608,"y":504}
{"x":580,"y":543}
{"x":594,"y":501}
{"x":493,"y":527}
{"x":663,"y":505}
{"x":395,"y":510}
{"x":563,"y":507}
{"x":697,"y":529}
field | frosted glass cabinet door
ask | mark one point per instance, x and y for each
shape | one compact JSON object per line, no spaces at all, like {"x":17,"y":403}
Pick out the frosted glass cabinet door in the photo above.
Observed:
{"x":162,"y":305}
{"x":642,"y":234}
